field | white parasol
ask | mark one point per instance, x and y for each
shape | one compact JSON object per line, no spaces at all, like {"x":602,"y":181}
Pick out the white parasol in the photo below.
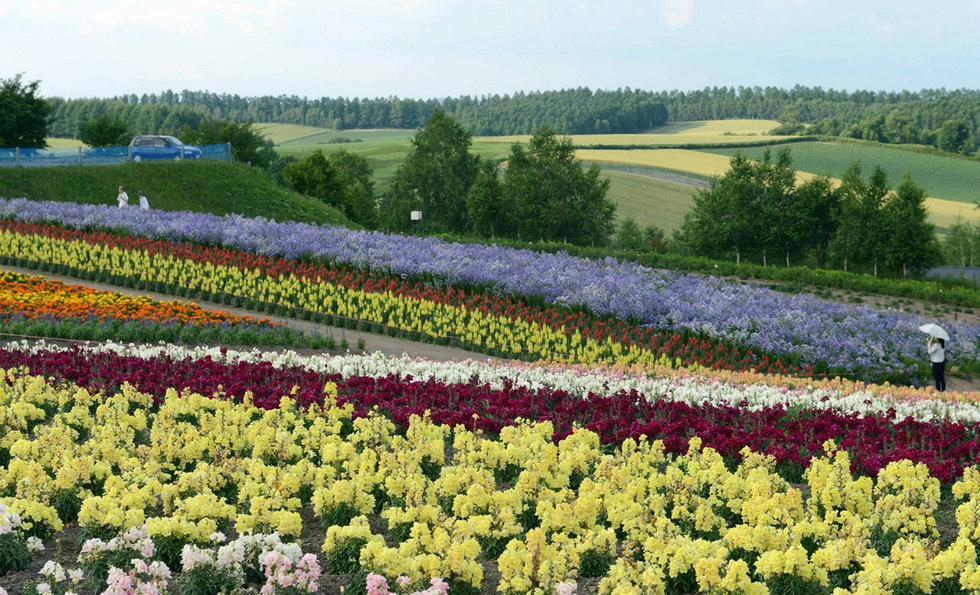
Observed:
{"x":935,"y":330}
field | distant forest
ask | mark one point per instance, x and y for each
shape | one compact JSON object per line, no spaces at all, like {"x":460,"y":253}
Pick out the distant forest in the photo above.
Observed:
{"x":893,"y":117}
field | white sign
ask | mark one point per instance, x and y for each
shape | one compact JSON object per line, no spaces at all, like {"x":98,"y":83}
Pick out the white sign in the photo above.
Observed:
{"x":416,"y":215}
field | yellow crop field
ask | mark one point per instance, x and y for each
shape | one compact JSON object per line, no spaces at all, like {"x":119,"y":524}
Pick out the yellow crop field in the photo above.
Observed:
{"x":682,"y":160}
{"x":282,"y":133}
{"x":63,"y":143}
{"x":675,"y":133}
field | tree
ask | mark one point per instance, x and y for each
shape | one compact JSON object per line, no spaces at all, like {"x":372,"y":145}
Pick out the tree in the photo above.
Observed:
{"x":557,"y":199}
{"x":491,"y":212}
{"x":909,"y":240}
{"x":105,"y":131}
{"x":817,"y":205}
{"x":873,"y":231}
{"x":789,"y":121}
{"x":782,"y":225}
{"x":315,"y":176}
{"x":962,"y":244}
{"x":23,"y":115}
{"x":247,"y":144}
{"x":846,"y":243}
{"x":654,"y":239}
{"x":435,"y":177}
{"x":954,"y":137}
{"x":357,"y":177}
{"x":726,"y":218}
{"x":629,"y":236}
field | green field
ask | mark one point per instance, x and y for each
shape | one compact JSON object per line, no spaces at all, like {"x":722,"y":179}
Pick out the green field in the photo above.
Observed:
{"x":649,"y":201}
{"x":949,"y":178}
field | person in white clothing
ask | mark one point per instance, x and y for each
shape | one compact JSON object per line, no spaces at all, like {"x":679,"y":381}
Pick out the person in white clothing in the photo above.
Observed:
{"x":122,"y":198}
{"x":144,"y":204}
{"x":937,"y":355}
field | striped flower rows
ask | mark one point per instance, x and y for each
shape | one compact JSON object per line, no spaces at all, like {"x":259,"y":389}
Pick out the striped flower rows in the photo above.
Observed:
{"x":726,"y":418}
{"x":485,"y":322}
{"x":847,"y":337}
{"x":427,"y":500}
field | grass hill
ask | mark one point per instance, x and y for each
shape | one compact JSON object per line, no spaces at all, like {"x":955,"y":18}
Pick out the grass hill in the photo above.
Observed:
{"x":206,"y":186}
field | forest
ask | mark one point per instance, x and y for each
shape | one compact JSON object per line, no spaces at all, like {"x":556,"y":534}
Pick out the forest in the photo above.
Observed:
{"x":918,"y":117}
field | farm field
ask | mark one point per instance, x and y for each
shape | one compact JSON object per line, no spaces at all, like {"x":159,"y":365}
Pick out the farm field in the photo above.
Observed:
{"x":649,"y":201}
{"x":63,"y":143}
{"x":706,"y":469}
{"x":674,"y":133}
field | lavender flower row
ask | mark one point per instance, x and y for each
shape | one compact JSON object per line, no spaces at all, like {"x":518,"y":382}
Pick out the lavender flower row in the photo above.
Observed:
{"x":846,"y":336}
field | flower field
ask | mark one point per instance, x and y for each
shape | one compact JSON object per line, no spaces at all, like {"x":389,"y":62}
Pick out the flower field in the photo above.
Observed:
{"x":34,"y":306}
{"x":398,"y":493}
{"x":797,"y":329}
{"x":626,"y":453}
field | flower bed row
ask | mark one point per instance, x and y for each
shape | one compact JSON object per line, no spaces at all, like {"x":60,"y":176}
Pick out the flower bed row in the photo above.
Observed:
{"x":489,"y":323}
{"x":34,"y":306}
{"x":846,"y":336}
{"x":429,"y":501}
{"x":785,"y":428}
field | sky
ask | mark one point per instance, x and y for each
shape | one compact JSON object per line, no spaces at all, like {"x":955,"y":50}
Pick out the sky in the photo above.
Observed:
{"x":449,"y":48}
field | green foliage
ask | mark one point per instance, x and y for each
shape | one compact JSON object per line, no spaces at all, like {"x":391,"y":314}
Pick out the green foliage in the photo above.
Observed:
{"x":315,"y":176}
{"x":23,"y":114}
{"x":434,"y":178}
{"x":247,"y":144}
{"x":954,"y":137}
{"x":556,"y":198}
{"x":14,"y":555}
{"x":357,"y":177}
{"x":629,"y":236}
{"x":755,"y":210}
{"x":345,"y":557}
{"x":491,"y":211}
{"x":961,"y":247}
{"x":105,"y":131}
{"x":909,"y":241}
{"x":204,"y":580}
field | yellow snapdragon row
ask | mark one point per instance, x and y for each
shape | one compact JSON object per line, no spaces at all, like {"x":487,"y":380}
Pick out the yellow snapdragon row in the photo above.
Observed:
{"x":546,"y":510}
{"x":469,"y":326}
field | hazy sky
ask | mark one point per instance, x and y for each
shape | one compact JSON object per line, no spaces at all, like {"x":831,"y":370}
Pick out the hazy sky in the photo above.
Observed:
{"x":438,"y":48}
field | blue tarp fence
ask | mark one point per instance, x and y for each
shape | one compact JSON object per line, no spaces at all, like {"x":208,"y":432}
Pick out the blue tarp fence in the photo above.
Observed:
{"x":90,"y":155}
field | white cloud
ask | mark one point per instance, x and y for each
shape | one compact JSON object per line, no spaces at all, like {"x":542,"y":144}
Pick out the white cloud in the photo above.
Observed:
{"x":678,"y":13}
{"x":885,"y":30}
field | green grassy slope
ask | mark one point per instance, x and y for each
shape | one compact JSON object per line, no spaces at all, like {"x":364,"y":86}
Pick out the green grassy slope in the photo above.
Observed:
{"x":206,"y":186}
{"x":649,"y":201}
{"x":942,"y":177}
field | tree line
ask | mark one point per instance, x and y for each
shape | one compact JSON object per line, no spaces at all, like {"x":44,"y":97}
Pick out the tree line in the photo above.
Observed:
{"x":573,"y":111}
{"x":883,"y":116}
{"x":756,"y":211}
